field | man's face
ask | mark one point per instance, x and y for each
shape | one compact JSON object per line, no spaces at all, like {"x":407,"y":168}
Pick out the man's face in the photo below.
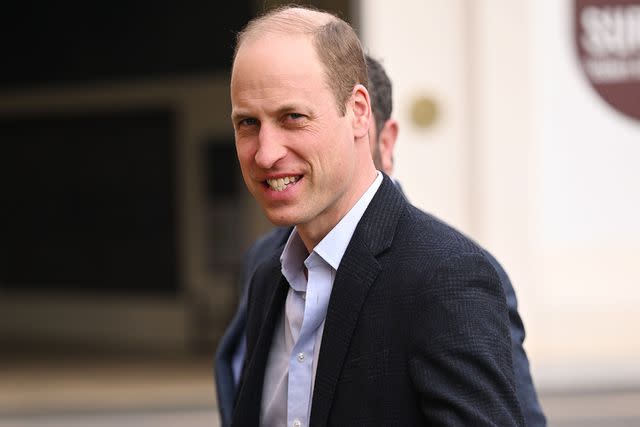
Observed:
{"x":296,"y":151}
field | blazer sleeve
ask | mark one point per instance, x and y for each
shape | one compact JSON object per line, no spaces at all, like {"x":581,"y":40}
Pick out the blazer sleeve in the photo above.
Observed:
{"x":527,"y":396}
{"x":460,"y":348}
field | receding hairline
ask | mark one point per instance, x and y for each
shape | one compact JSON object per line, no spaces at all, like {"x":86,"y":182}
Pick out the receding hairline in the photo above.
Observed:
{"x":286,"y":20}
{"x":334,"y":41}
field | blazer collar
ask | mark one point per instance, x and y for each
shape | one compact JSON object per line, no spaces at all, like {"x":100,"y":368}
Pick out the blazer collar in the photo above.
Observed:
{"x":358,"y":270}
{"x":378,"y":224}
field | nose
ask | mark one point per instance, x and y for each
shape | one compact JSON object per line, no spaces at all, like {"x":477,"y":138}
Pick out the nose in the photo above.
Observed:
{"x":270,"y":147}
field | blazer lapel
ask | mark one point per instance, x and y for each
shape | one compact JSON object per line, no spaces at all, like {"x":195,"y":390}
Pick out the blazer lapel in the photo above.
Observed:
{"x":357,"y":272}
{"x":250,"y":395}
{"x":350,"y":289}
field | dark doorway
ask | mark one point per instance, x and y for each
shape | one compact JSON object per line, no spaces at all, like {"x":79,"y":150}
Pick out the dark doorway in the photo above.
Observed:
{"x":88,"y":202}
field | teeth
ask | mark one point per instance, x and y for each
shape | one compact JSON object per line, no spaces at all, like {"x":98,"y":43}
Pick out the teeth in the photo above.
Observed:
{"x":281,"y":183}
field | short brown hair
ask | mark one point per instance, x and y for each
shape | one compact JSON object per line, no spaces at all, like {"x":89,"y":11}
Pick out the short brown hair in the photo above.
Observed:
{"x":380,"y":92}
{"x":335,"y":41}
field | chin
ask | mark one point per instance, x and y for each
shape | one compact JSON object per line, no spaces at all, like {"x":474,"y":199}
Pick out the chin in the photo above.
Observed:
{"x":281,"y":220}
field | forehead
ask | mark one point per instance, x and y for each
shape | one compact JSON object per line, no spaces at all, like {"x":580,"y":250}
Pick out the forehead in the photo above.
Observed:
{"x":272,"y":60}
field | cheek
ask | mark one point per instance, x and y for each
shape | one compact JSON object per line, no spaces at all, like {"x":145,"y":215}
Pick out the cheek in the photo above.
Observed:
{"x":338,"y":159}
{"x":326,"y":146}
{"x":244,"y":159}
{"x":245,"y":152}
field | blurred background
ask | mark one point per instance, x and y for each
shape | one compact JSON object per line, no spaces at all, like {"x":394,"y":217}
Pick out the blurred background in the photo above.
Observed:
{"x":123,"y":216}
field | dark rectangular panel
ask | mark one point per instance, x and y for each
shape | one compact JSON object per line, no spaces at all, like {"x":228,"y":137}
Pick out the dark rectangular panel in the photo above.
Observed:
{"x":222,"y":169}
{"x":88,"y":202}
{"x":45,"y":43}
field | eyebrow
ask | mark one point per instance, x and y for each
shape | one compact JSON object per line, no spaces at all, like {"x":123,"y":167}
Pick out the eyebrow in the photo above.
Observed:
{"x":286,"y":108}
{"x":298,"y":108}
{"x":238,"y":116}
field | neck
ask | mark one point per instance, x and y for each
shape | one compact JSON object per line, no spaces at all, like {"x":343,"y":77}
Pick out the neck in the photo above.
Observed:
{"x":313,"y":232}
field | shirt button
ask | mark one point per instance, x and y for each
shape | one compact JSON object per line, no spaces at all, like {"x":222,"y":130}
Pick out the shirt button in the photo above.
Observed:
{"x":297,"y":423}
{"x":300,"y":359}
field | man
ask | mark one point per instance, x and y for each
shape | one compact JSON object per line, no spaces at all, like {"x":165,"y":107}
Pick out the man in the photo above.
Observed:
{"x":376,"y":313}
{"x":383,"y":133}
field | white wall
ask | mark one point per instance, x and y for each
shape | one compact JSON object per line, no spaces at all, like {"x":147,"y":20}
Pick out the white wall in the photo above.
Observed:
{"x":529,"y":161}
{"x":415,"y":45}
{"x":585,"y":214}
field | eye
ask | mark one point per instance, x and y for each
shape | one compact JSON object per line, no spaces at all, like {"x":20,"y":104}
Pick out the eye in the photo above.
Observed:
{"x":294,"y":119}
{"x":249,"y":121}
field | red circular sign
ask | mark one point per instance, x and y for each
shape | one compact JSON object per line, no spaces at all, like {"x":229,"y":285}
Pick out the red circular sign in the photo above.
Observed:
{"x":607,"y":34}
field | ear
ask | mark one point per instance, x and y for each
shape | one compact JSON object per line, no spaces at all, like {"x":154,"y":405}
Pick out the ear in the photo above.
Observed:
{"x":361,"y":108}
{"x":387,"y":142}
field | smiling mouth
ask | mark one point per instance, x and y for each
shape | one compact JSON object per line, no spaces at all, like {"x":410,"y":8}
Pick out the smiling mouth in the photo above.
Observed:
{"x":281,"y":184}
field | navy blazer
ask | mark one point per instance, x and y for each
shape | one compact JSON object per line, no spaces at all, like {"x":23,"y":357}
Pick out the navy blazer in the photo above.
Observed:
{"x":380,"y":238}
{"x":234,"y":336}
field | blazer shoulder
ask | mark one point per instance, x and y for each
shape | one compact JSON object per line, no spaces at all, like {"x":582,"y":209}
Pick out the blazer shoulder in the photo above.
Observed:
{"x":424,"y":247}
{"x":434,"y":236}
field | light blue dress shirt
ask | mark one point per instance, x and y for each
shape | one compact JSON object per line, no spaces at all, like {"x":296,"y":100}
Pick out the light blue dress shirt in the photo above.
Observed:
{"x":293,"y":358}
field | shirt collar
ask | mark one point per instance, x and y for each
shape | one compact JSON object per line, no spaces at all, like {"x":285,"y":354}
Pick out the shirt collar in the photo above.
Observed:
{"x":292,"y":261}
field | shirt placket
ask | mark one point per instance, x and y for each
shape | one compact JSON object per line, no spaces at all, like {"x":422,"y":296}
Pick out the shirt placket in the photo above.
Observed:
{"x":301,"y":359}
